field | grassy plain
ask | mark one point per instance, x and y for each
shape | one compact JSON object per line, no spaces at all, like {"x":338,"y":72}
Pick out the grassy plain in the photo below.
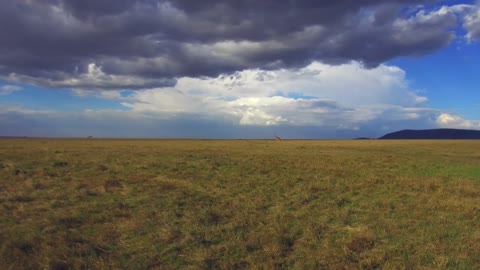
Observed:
{"x":185,"y":204}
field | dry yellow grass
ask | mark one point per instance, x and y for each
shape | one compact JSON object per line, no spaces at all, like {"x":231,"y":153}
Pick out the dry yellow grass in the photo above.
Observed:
{"x":167,"y":204}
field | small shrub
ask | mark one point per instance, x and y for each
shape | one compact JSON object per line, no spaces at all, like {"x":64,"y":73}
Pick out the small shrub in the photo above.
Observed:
{"x":59,"y":163}
{"x":361,"y":244}
{"x":112,"y":185}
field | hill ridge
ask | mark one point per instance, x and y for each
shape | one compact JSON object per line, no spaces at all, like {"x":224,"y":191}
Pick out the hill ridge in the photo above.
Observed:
{"x":433,"y":134}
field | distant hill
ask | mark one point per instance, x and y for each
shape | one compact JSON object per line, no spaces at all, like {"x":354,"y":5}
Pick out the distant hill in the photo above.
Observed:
{"x":363,"y":138}
{"x":433,"y":134}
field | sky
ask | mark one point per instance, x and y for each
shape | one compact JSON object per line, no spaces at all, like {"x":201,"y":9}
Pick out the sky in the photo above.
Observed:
{"x":299,"y":69}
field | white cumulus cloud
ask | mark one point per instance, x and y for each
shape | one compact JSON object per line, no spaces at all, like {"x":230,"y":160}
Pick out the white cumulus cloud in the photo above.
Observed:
{"x":8,"y":89}
{"x":317,"y":95}
{"x":472,"y":23}
{"x":446,"y":120}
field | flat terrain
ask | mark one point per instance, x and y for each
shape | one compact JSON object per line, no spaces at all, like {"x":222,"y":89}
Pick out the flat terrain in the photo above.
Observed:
{"x":167,"y":204}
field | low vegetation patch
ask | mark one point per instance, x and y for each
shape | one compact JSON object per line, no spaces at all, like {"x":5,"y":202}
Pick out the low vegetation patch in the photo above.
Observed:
{"x":174,"y":204}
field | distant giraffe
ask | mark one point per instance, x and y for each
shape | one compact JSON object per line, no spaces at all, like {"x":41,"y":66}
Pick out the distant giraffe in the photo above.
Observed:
{"x":277,"y":138}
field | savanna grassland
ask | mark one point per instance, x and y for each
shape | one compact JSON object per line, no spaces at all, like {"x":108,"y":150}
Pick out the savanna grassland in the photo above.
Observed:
{"x":176,"y":204}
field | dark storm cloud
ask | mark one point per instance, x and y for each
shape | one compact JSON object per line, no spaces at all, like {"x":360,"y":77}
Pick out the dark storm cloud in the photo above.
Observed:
{"x":51,"y":42}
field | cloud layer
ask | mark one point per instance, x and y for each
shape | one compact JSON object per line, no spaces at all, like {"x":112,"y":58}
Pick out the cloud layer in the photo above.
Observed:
{"x":120,"y":44}
{"x":226,"y":68}
{"x":317,"y":101}
{"x":341,"y":96}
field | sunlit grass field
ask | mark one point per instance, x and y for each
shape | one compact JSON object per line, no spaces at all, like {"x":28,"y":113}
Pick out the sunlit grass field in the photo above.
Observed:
{"x":239,"y":204}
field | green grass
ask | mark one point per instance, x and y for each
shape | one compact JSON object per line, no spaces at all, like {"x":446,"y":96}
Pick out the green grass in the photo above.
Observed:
{"x":181,"y":204}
